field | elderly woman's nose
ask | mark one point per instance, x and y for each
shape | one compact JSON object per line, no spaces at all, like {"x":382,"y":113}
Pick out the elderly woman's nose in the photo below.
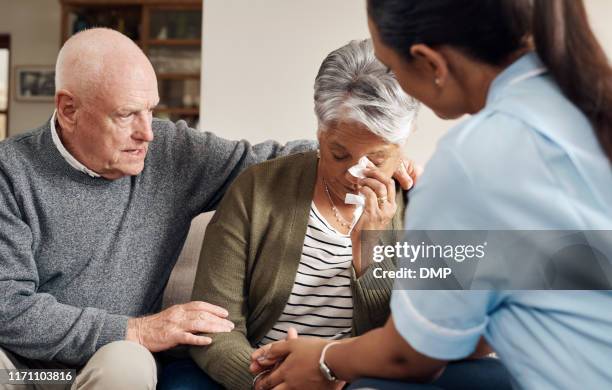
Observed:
{"x":352,"y":180}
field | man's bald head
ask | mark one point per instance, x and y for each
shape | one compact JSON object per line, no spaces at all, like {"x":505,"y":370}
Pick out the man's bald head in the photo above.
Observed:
{"x":99,"y":59}
{"x":105,"y":94}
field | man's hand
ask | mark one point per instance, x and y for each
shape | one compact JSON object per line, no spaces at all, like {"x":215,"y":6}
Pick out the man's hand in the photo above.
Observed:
{"x":179,"y":324}
{"x":407,"y":173}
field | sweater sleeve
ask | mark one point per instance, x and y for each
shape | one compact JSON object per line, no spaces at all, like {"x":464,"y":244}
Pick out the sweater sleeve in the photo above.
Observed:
{"x":208,"y":164}
{"x":33,"y":324}
{"x":221,"y":280}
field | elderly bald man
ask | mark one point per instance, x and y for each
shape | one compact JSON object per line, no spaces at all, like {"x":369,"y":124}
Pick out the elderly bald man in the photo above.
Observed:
{"x":94,"y":209}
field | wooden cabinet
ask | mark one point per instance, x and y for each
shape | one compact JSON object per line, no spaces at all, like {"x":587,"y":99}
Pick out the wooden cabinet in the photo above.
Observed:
{"x":169,"y":32}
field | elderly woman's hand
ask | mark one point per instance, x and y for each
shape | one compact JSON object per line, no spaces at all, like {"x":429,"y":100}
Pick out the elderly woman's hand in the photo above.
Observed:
{"x":295,"y":365}
{"x":260,"y":371}
{"x":378,"y":211}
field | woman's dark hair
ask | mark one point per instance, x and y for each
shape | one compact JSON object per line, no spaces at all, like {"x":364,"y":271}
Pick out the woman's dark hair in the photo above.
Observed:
{"x":493,"y":30}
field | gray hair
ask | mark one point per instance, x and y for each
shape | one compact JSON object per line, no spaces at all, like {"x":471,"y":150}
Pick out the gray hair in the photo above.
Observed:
{"x":353,"y":86}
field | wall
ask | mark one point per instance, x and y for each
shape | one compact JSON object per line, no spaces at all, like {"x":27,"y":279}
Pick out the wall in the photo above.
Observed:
{"x":259,"y":62}
{"x":599,"y":15}
{"x":261,"y":57}
{"x":34,"y":26}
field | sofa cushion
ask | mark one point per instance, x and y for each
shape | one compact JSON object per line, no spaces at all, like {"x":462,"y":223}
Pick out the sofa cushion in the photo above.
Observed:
{"x":180,"y":284}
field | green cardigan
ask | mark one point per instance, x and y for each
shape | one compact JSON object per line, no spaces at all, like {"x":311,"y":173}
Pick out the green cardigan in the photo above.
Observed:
{"x":250,"y":255}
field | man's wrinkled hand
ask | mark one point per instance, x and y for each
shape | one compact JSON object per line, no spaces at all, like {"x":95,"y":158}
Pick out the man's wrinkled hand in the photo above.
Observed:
{"x":407,"y":173}
{"x":179,"y":324}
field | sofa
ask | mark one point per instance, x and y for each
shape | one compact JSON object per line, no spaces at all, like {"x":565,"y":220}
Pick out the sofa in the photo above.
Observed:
{"x":182,"y":278}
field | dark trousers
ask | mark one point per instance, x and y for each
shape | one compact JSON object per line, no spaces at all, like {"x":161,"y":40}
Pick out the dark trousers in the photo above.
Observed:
{"x":480,"y":374}
{"x":185,"y":375}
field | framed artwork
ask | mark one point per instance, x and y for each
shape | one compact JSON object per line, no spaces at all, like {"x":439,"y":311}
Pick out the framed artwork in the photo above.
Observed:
{"x":34,"y":83}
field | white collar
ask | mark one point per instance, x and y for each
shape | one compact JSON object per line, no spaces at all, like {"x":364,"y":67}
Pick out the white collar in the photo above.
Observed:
{"x":66,"y":154}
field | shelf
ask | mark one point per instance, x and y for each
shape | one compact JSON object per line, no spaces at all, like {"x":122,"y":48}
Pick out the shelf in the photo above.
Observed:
{"x":174,"y":42}
{"x":157,"y":3}
{"x":179,"y":110}
{"x":177,"y":54}
{"x":178,"y":76}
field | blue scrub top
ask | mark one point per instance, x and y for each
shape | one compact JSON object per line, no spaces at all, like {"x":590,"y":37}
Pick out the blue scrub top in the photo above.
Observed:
{"x":529,"y":160}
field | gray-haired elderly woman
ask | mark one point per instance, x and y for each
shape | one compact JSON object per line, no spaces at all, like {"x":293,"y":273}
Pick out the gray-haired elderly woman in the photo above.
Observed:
{"x":282,"y":252}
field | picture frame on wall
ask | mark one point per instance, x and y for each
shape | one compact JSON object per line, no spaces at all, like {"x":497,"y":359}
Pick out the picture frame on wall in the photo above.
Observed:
{"x":34,"y":83}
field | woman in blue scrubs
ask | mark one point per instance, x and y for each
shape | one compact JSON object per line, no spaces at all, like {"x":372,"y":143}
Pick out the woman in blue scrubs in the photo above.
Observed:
{"x":535,"y":154}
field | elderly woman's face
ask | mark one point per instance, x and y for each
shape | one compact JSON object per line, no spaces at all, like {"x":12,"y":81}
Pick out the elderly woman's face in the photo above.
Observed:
{"x":343,"y":145}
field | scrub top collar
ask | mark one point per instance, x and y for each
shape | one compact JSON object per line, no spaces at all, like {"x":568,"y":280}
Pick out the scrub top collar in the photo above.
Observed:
{"x":527,"y":66}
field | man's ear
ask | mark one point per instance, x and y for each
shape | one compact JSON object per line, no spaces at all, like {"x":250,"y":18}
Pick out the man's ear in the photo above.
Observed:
{"x":433,"y":63}
{"x":66,"y":109}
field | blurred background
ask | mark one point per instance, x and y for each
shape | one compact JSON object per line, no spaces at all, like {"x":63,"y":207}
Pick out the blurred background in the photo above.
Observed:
{"x":239,"y":68}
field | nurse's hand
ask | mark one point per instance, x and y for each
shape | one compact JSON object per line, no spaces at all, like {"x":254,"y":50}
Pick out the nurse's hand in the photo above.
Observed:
{"x":378,"y":211}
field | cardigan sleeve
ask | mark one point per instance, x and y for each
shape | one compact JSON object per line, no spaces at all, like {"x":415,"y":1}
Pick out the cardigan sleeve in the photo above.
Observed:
{"x":371,"y":297}
{"x":220,"y":280}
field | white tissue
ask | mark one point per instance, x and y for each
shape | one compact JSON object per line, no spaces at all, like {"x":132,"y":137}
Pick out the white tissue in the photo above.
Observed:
{"x":358,"y":200}
{"x":357,"y":171}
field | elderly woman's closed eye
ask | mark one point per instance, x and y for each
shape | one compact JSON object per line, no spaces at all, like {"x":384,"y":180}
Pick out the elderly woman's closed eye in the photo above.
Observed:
{"x":283,"y":250}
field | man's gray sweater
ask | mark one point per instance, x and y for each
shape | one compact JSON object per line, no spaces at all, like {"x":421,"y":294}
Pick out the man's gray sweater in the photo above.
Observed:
{"x":79,"y":255}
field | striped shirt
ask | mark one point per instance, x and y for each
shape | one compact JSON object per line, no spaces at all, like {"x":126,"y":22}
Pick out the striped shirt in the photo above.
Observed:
{"x":321,"y":301}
